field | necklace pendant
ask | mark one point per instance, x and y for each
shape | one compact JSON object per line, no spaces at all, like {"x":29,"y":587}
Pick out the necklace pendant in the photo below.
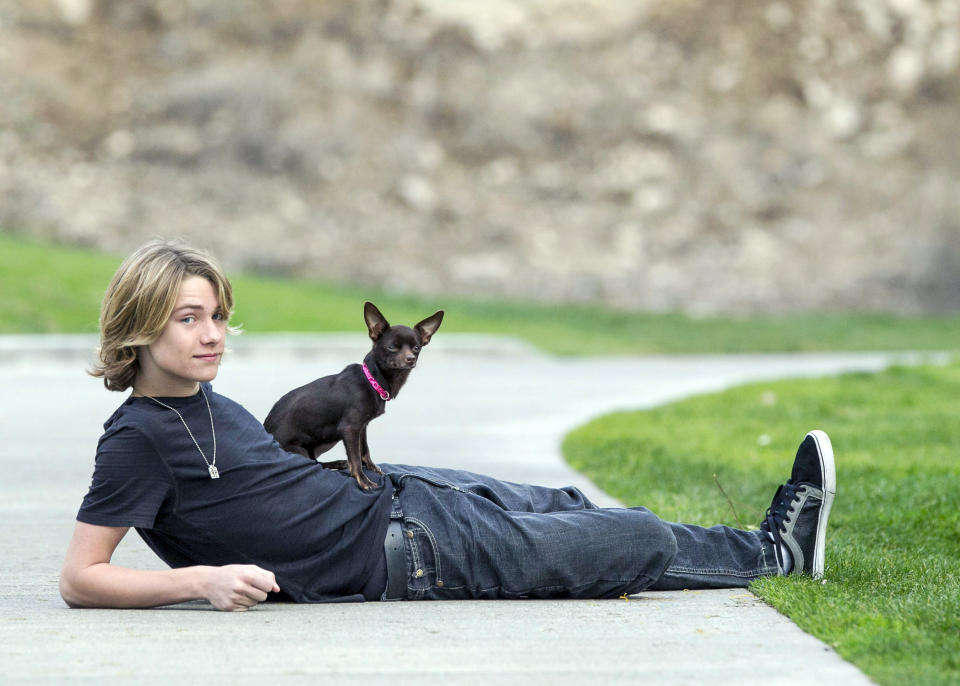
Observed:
{"x":214,"y":472}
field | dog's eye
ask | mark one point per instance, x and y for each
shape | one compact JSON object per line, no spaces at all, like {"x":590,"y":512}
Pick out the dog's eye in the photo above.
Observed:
{"x":392,"y":348}
{"x":416,"y":348}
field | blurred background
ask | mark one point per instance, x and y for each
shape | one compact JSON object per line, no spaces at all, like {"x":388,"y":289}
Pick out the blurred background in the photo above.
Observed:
{"x":709,"y":157}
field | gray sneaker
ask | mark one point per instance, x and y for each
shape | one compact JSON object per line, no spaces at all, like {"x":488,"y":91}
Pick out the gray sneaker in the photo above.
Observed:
{"x":797,"y":517}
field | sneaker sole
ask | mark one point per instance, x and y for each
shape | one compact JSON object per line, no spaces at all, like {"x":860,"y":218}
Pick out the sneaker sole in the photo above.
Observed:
{"x":829,"y":472}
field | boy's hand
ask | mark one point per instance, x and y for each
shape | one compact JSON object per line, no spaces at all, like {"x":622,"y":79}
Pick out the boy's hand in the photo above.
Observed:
{"x":236,"y":588}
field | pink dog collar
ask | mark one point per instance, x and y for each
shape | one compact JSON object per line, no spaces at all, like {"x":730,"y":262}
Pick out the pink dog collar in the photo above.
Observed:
{"x":373,"y":382}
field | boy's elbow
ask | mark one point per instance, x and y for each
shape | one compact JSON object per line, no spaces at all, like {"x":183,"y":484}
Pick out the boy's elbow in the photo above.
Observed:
{"x":68,"y":592}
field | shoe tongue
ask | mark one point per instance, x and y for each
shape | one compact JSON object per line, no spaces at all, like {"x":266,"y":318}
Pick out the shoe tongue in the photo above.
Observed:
{"x":806,"y":466}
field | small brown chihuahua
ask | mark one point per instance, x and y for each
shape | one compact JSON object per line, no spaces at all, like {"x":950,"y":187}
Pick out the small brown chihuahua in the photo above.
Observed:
{"x":312,"y":419}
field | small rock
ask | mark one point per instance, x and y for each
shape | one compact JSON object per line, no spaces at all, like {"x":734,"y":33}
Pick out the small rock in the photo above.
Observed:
{"x":418,"y":193}
{"x":843,"y":118}
{"x":905,"y":68}
{"x":119,"y":144}
{"x":74,"y":12}
{"x":779,"y":16}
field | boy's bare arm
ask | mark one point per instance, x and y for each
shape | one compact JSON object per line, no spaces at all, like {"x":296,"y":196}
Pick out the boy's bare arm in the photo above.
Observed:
{"x":89,"y":580}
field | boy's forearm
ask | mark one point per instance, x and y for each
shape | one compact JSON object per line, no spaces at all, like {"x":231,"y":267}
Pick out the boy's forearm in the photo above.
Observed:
{"x":105,"y":585}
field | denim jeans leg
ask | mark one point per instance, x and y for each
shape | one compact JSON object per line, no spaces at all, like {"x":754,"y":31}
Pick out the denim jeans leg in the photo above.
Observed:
{"x":718,"y":557}
{"x":472,"y":536}
{"x":464,"y":542}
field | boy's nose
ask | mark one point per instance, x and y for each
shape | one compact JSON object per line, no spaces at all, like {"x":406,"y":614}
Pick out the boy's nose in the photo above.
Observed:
{"x":211,"y":332}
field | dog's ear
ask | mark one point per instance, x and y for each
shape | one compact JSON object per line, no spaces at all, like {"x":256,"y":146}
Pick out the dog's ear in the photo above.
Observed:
{"x":376,"y":322}
{"x":429,"y":326}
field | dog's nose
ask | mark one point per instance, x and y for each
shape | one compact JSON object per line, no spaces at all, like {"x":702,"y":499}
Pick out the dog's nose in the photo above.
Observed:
{"x":411,"y":358}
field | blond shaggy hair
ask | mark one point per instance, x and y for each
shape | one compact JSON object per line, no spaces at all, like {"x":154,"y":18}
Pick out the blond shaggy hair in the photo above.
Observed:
{"x":140,"y":299}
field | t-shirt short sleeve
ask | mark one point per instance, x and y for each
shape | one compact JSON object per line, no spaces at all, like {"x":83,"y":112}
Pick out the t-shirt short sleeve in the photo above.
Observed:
{"x":131,"y":485}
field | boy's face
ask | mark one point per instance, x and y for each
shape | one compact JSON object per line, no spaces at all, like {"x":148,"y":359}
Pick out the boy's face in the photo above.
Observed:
{"x":190,"y":347}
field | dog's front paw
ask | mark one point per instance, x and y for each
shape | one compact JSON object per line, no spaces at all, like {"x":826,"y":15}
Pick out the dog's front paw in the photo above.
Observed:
{"x":364,"y":482}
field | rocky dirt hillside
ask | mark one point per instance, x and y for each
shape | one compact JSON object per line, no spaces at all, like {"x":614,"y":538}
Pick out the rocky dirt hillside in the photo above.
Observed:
{"x":709,"y":156}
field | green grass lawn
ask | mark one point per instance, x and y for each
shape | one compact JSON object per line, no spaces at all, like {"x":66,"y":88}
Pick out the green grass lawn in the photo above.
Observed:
{"x":47,"y":288}
{"x":891,"y":603}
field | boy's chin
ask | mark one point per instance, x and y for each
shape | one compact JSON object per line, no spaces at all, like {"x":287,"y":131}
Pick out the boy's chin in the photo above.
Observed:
{"x":206,"y":375}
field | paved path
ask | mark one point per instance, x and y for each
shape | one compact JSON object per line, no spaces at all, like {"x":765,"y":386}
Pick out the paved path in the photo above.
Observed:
{"x":478,"y":403}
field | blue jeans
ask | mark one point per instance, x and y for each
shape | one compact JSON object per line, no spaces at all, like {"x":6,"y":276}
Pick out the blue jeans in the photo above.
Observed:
{"x":472,"y":536}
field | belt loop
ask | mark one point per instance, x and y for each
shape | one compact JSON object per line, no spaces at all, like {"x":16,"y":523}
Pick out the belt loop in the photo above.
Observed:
{"x":395,"y":511}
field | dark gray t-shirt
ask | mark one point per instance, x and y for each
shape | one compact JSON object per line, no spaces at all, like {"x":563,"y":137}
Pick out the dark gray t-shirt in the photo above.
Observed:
{"x":319,"y":533}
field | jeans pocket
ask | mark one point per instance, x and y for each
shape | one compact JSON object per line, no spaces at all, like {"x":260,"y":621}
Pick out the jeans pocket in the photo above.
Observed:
{"x":423,"y":560}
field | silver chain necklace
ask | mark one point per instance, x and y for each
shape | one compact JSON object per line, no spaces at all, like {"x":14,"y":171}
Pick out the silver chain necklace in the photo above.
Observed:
{"x":211,"y":466}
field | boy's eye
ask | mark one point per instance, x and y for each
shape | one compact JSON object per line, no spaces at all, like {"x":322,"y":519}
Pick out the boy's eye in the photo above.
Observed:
{"x":219,"y":316}
{"x":189,"y":320}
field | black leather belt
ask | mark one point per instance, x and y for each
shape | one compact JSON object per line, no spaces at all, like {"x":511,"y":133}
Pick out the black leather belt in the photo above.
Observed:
{"x":396,"y":562}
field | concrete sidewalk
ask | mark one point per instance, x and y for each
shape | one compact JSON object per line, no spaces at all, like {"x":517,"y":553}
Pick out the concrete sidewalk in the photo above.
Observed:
{"x":486,"y":404}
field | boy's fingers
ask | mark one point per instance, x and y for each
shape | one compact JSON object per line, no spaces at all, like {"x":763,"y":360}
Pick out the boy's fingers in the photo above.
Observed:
{"x":269,"y":580}
{"x":262,"y":580}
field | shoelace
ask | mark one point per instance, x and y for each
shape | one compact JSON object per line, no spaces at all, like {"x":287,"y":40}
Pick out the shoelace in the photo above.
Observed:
{"x":780,"y":508}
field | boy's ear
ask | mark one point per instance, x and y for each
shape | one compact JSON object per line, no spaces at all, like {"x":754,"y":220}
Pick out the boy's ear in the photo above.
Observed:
{"x":376,"y":322}
{"x":429,"y":326}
